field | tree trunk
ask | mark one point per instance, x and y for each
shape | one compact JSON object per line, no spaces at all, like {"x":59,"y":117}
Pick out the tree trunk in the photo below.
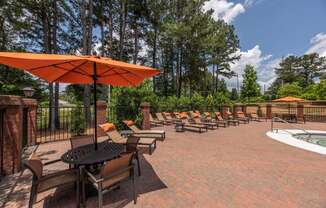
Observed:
{"x":135,"y":56}
{"x":154,"y":53}
{"x":86,"y":10}
{"x":55,"y":50}
{"x":123,"y":16}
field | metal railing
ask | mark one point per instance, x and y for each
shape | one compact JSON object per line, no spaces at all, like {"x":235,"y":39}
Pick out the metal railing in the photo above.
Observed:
{"x":296,"y":127}
{"x":69,"y":120}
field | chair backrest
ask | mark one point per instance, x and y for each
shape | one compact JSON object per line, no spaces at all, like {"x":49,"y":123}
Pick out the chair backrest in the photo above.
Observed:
{"x":240,"y":114}
{"x":131,"y":125}
{"x":111,"y":130}
{"x":132,"y":143}
{"x":253,"y":115}
{"x":78,"y":141}
{"x":159,"y":116}
{"x":207,"y":115}
{"x":115,"y":165}
{"x":218,"y":116}
{"x":114,"y":135}
{"x":34,"y":164}
{"x":151,"y":117}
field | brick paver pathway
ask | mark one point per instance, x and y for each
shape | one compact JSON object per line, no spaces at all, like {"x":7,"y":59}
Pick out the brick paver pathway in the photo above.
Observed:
{"x":229,"y":167}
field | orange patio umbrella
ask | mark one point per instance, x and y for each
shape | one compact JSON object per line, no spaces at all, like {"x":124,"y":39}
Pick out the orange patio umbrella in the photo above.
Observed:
{"x":288,"y":100}
{"x":79,"y":70}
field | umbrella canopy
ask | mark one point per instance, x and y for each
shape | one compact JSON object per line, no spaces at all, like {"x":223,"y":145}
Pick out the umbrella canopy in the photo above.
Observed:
{"x":288,"y":100}
{"x":79,"y":70}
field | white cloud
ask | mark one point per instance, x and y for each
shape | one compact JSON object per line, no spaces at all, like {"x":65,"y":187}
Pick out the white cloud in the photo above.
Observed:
{"x":264,"y":64}
{"x":225,"y":10}
{"x":318,"y":44}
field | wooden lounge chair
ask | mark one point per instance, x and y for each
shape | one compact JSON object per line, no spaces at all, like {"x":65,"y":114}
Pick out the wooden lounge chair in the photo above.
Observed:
{"x":154,"y":121}
{"x":222,"y":121}
{"x":190,"y":126}
{"x":241,"y":117}
{"x":167,"y":116}
{"x":161,"y":118}
{"x":157,"y":134}
{"x":196,"y":119}
{"x":254,"y":116}
{"x":42,"y":183}
{"x":112,"y":173}
{"x":115,"y":136}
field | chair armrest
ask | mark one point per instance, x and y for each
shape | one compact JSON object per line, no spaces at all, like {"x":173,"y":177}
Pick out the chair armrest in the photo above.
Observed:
{"x":92,"y":177}
{"x":51,"y":162}
{"x":56,"y":174}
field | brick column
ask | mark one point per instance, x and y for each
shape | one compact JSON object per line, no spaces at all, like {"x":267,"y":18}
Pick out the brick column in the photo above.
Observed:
{"x":31,"y":105}
{"x":225,"y":110}
{"x":12,"y":141}
{"x":145,"y":108}
{"x":300,"y":112}
{"x":269,"y":111}
{"x":101,"y":115}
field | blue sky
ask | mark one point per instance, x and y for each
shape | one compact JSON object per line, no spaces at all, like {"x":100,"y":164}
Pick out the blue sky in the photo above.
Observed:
{"x":271,"y":29}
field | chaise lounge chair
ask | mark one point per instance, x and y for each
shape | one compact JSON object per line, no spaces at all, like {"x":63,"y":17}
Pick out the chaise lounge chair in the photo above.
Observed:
{"x":115,"y":136}
{"x":168,"y":117}
{"x":241,"y":117}
{"x":190,"y":126}
{"x":155,"y":122}
{"x":157,"y":134}
{"x":220,"y":120}
{"x":254,"y":117}
{"x":196,"y":120}
{"x":161,"y":118}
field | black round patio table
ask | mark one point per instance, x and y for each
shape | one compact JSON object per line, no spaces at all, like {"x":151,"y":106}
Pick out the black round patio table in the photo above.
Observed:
{"x":87,"y":155}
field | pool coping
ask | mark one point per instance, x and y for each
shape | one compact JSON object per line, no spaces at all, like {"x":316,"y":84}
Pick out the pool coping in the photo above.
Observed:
{"x":285,"y":136}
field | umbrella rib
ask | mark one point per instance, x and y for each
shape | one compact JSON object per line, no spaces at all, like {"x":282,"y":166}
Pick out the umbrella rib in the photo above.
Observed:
{"x":73,"y":70}
{"x":116,"y":73}
{"x":65,"y":62}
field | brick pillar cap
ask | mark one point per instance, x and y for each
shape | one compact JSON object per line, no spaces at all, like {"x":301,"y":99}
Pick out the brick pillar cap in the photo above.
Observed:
{"x":145,"y":105}
{"x":29,"y":102}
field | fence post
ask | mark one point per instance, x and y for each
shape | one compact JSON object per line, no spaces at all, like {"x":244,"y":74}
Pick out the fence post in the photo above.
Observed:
{"x":145,"y":108}
{"x":300,"y":112}
{"x":269,"y":111}
{"x":101,"y":116}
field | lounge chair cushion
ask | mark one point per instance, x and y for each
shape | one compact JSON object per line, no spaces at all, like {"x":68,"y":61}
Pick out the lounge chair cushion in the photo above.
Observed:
{"x":107,"y":127}
{"x":129,"y":122}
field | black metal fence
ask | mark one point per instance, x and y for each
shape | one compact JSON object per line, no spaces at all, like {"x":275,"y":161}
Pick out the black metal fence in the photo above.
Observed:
{"x":70,"y":120}
{"x":315,"y":113}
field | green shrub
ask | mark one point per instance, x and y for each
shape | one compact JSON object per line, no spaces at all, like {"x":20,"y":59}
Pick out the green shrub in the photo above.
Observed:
{"x":78,"y":122}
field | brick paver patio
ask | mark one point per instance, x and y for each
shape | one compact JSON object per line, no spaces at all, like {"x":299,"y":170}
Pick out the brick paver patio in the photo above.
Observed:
{"x":229,"y":167}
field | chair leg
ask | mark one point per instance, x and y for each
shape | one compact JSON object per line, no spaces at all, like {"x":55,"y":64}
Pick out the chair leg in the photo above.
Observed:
{"x":100,"y":197}
{"x":138,"y":164}
{"x":32,"y":196}
{"x":134,"y":189}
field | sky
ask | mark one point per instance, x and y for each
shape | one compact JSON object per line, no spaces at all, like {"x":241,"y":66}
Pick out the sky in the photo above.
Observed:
{"x":271,"y":29}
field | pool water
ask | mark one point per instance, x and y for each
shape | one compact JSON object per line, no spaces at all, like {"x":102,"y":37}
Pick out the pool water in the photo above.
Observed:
{"x":319,"y":139}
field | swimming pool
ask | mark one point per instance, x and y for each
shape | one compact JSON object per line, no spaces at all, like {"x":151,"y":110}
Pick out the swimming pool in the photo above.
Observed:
{"x":311,"y":140}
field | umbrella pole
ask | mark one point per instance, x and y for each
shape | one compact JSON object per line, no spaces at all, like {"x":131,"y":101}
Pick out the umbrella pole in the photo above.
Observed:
{"x":95,"y":107}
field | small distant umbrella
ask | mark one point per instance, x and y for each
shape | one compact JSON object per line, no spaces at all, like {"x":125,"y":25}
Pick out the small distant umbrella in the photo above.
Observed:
{"x":79,"y":70}
{"x":288,"y":99}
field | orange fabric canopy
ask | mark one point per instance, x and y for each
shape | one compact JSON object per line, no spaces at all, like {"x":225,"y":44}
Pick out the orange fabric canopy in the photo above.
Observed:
{"x":288,"y":99}
{"x":78,"y":69}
